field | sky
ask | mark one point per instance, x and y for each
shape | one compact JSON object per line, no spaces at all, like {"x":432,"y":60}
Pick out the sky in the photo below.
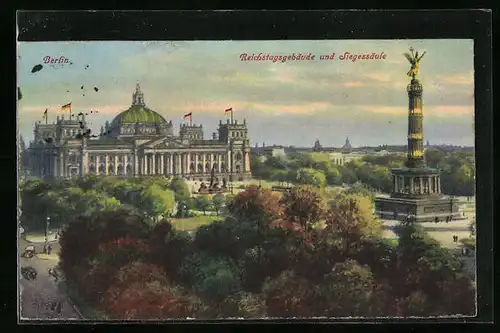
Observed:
{"x":284,"y":103}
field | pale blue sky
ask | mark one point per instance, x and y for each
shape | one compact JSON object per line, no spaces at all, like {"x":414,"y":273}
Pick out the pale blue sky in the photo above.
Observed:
{"x":291,"y":103}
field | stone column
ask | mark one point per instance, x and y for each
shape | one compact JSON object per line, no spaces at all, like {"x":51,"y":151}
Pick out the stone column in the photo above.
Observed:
{"x":125,"y":163}
{"x":116,"y":164}
{"x":229,"y":161}
{"x":54,"y":167}
{"x":146,"y":164}
{"x":188,"y":162}
{"x":421,"y":185}
{"x":162,"y":164}
{"x":135,"y":163}
{"x":204,"y":162}
{"x":170,"y":164}
{"x":196,"y":162}
{"x":439,"y":184}
{"x":395,"y":183}
{"x":61,"y":163}
{"x":179,"y":163}
{"x":106,"y":164}
{"x":85,"y":162}
{"x":219,"y":158}
{"x":411,"y":185}
{"x":153,"y":165}
{"x":211,"y":161}
{"x":403,"y":184}
{"x":429,"y":180}
{"x":97,"y":161}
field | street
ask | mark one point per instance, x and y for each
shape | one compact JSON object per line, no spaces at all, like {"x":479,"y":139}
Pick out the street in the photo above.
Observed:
{"x":39,"y":297}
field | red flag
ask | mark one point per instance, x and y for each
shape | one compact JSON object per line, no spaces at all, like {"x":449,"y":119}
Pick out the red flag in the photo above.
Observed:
{"x":188,"y":115}
{"x":229,"y":110}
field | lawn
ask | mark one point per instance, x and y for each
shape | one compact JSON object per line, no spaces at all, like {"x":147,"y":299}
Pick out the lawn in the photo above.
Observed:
{"x":192,"y":223}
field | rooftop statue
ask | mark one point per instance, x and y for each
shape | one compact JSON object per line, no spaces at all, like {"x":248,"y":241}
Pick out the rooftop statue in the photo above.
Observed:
{"x":414,"y":60}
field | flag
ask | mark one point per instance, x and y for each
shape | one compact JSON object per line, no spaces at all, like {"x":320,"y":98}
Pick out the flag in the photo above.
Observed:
{"x":229,"y":110}
{"x":188,"y":115}
{"x":66,"y":107}
{"x":44,"y":114}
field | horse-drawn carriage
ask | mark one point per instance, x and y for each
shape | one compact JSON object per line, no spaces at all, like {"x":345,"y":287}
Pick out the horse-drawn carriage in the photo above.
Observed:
{"x":29,"y":252}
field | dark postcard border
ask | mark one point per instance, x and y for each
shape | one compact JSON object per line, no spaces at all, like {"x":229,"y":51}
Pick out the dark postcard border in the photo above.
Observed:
{"x":268,"y":25}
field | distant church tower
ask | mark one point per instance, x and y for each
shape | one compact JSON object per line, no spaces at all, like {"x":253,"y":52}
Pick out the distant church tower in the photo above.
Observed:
{"x":347,"y":144}
{"x":317,"y":146}
{"x":138,"y":96}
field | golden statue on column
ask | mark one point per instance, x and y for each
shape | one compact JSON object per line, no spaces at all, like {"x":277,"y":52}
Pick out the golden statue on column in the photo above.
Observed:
{"x":414,"y":60}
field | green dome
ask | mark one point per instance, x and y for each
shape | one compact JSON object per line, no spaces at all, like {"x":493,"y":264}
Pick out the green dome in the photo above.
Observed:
{"x":139,"y":114}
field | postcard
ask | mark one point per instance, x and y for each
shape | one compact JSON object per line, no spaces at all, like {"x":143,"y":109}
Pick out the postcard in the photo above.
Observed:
{"x":163,"y":180}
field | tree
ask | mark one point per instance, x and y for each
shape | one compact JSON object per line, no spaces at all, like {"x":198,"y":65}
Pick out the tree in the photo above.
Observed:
{"x":143,"y":292}
{"x":290,"y":295}
{"x":308,"y":176}
{"x":214,"y":278}
{"x":181,"y":189}
{"x":347,"y":290}
{"x":303,"y":205}
{"x":80,"y":240}
{"x":280,"y":176}
{"x":255,"y":204}
{"x":333,"y":176}
{"x":203,"y":204}
{"x":156,"y":201}
{"x":218,"y":202}
{"x":350,"y":220}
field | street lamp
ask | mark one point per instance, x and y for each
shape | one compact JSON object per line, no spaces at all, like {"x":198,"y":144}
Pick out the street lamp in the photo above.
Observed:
{"x":47,"y":224}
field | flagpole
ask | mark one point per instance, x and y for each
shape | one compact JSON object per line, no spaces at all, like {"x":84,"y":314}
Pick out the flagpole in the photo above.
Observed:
{"x":46,"y":117}
{"x":231,"y":115}
{"x":191,"y":121}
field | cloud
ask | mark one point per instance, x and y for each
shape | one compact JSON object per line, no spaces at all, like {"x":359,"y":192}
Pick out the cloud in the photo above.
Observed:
{"x":459,"y":79}
{"x":206,"y":77}
{"x":355,"y":84}
{"x":298,"y":109}
{"x":437,"y":110}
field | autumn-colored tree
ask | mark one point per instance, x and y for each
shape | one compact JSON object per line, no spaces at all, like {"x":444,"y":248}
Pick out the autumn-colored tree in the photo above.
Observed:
{"x":349,"y":221}
{"x":290,"y":295}
{"x":243,"y":305}
{"x":255,"y":204}
{"x":142,"y":291}
{"x":303,"y":205}
{"x":81,"y":239}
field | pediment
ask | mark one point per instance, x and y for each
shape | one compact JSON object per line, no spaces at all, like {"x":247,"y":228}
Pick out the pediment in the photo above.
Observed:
{"x":167,"y":143}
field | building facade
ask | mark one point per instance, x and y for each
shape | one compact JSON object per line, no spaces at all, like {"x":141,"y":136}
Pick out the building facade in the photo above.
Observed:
{"x":139,"y":142}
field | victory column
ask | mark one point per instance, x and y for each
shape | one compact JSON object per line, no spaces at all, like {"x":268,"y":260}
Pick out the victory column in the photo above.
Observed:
{"x":416,"y":188}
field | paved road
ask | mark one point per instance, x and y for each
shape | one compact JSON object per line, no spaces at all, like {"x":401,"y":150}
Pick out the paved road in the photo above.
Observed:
{"x":38,"y":295}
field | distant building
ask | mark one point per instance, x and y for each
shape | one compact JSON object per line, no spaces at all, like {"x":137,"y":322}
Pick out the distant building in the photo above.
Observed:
{"x":354,"y":156}
{"x":337,"y":158}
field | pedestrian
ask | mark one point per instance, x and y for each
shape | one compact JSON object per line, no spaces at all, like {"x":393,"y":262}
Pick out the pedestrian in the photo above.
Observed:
{"x":59,"y":308}
{"x":49,"y":249}
{"x":45,"y":249}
